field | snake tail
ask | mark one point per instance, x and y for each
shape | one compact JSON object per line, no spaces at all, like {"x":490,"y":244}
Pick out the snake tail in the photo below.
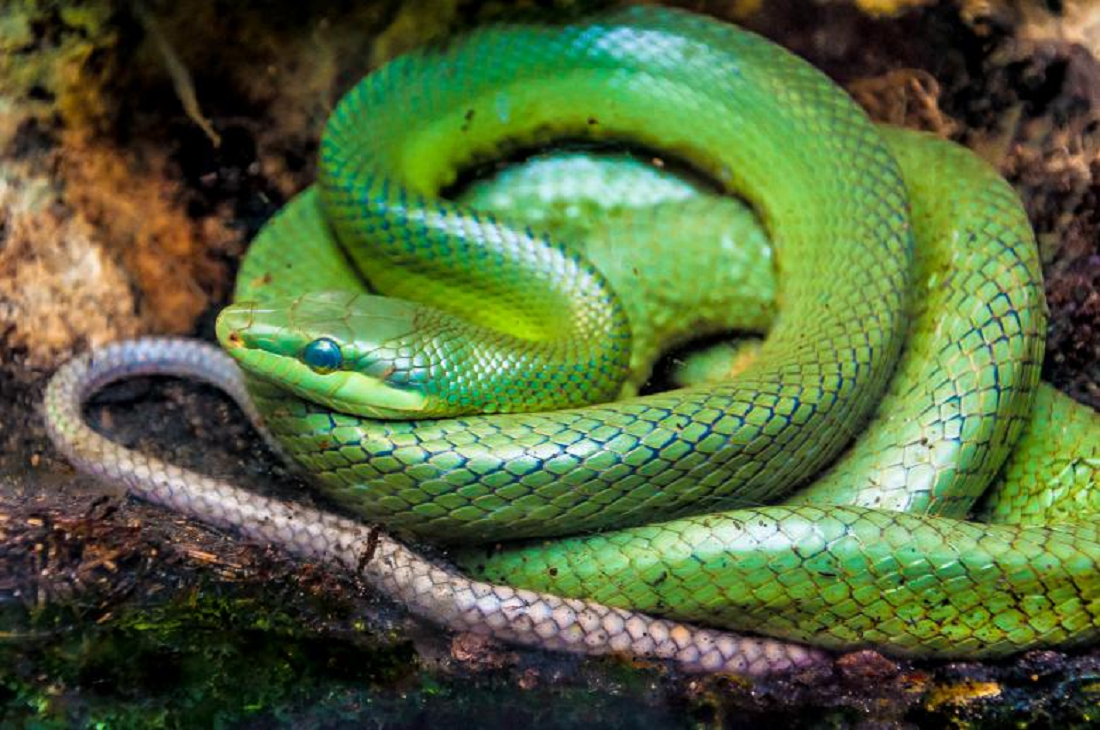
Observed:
{"x":428,"y":589}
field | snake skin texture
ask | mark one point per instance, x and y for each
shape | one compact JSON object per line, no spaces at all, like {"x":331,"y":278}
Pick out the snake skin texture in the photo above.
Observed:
{"x":1051,"y":476}
{"x":839,"y":577}
{"x":1050,"y":472}
{"x":846,"y":577}
{"x":762,"y":123}
{"x":917,"y":368}
{"x":427,"y":589}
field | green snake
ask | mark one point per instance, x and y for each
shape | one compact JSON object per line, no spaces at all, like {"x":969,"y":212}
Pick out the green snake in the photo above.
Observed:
{"x":466,"y":371}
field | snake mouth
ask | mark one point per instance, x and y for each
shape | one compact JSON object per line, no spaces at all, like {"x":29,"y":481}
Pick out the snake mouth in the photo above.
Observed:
{"x":232,"y":324}
{"x":349,"y":392}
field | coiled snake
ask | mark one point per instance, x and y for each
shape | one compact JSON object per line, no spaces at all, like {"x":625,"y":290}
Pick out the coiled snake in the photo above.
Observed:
{"x":482,"y":412}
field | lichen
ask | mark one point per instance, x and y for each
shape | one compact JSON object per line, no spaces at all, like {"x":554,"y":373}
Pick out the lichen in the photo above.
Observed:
{"x":58,"y":285}
{"x":137,"y":205}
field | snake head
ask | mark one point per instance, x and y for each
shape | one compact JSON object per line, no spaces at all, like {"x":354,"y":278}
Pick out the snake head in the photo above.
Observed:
{"x":351,"y":352}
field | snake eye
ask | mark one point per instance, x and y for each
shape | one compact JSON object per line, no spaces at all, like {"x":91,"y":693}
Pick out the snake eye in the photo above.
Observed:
{"x":323,"y":355}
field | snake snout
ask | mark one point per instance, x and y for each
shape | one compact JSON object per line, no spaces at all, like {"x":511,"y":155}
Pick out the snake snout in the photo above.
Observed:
{"x":233,"y":322}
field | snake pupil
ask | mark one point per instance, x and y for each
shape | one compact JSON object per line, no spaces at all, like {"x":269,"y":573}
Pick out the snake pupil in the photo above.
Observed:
{"x":323,"y":355}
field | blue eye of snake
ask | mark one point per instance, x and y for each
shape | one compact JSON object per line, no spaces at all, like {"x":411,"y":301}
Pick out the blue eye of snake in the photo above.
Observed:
{"x":323,"y":355}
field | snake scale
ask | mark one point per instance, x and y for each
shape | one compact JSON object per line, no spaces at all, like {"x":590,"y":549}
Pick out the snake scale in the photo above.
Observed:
{"x":467,"y":393}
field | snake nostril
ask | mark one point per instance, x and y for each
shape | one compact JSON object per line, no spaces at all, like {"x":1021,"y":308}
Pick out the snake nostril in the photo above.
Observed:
{"x":234,"y":339}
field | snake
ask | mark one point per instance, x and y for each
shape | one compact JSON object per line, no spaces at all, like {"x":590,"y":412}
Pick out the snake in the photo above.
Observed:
{"x":467,"y":365}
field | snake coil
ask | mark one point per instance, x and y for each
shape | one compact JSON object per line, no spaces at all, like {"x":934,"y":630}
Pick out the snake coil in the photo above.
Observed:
{"x":431,"y":418}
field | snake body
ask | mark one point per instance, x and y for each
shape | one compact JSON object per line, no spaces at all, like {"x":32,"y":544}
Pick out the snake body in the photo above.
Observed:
{"x":744,"y":441}
{"x":419,"y":416}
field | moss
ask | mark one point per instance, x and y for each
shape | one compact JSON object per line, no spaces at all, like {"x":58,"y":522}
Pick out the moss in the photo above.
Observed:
{"x":212,"y":657}
{"x":198,"y":659}
{"x":889,"y":7}
{"x":58,"y":57}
